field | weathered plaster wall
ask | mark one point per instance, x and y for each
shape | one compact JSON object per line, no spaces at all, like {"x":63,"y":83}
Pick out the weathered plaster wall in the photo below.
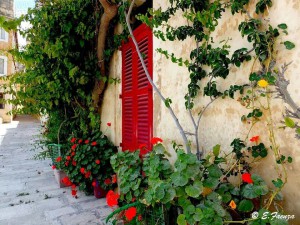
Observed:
{"x":221,"y":122}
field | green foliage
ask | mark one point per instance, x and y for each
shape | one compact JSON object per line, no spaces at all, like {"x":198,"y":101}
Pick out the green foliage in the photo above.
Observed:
{"x":83,"y":153}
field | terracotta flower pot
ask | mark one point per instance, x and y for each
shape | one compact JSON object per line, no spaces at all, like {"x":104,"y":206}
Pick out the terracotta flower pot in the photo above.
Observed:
{"x":99,"y":192}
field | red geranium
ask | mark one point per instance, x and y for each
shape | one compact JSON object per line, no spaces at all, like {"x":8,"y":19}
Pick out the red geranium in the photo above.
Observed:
{"x":67,"y":163}
{"x":68,"y":157}
{"x":130,"y":213}
{"x":109,"y":124}
{"x":114,"y":178}
{"x":97,"y":161}
{"x":112,"y":198}
{"x":73,"y":153}
{"x":80,"y":141}
{"x":155,"y":140}
{"x":87,"y":174}
{"x":86,"y":141}
{"x":74,"y":163}
{"x":73,"y":140}
{"x":140,"y":218}
{"x":94,"y":143}
{"x":53,"y":167}
{"x":107,"y":181}
{"x":94,"y":183}
{"x":246,"y":177}
{"x":58,"y":159}
{"x":254,"y":139}
{"x":74,"y":147}
{"x":74,"y":186}
{"x":82,"y":170}
{"x":66,"y":181}
{"x":74,"y":192}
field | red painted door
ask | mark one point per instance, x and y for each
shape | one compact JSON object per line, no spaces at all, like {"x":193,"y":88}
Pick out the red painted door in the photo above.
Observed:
{"x":137,"y":101}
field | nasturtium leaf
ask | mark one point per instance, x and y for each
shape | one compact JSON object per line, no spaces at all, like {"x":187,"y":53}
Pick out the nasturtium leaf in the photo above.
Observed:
{"x":289,"y":45}
{"x":245,"y":205}
{"x":181,"y":220}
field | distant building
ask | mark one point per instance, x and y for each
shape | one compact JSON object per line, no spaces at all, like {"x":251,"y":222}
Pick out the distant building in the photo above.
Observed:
{"x":6,"y":62}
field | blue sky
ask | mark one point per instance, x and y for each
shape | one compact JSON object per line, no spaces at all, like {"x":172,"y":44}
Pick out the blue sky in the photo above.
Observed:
{"x":21,"y":6}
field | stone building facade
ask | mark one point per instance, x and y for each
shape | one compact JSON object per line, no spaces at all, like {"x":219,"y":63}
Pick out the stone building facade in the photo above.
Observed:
{"x":6,"y":62}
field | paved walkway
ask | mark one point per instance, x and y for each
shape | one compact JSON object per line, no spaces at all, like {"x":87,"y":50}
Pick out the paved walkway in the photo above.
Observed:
{"x":29,"y":194}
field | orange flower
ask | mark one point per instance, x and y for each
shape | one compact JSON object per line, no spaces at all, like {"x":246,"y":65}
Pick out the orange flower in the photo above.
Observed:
{"x":246,"y":177}
{"x":254,"y":139}
{"x":232,"y":204}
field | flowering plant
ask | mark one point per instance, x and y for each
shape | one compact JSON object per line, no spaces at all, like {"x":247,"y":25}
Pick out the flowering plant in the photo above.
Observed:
{"x":215,"y":190}
{"x":87,"y":159}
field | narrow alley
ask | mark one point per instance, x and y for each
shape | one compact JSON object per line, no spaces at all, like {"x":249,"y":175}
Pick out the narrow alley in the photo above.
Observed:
{"x":29,"y":194}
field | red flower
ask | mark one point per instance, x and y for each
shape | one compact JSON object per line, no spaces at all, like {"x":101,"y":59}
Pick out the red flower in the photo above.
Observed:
{"x":80,"y":141}
{"x":58,"y":159}
{"x":73,"y":140}
{"x":73,"y":153}
{"x":97,"y":161}
{"x":142,"y":146}
{"x":112,"y":198}
{"x":74,"y":147}
{"x":74,"y":192}
{"x":67,"y":163}
{"x":155,"y":140}
{"x":53,"y":167}
{"x":140,"y":218}
{"x":66,"y":181}
{"x":87,"y":174}
{"x":108,"y":124}
{"x":130,"y":213}
{"x":82,"y":170}
{"x":114,"y":179}
{"x":94,"y":183}
{"x":74,"y":186}
{"x":143,"y":174}
{"x":254,"y":139}
{"x":246,"y":177}
{"x":74,"y":163}
{"x":94,"y":143}
{"x":86,"y":141}
{"x":107,"y":181}
{"x":133,"y":199}
{"x":68,"y":157}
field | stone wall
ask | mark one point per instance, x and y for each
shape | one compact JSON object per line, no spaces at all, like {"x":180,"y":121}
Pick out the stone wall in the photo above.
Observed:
{"x":221,"y":122}
{"x":7,"y":8}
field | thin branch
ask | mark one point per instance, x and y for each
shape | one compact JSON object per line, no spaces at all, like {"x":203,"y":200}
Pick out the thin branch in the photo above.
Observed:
{"x":150,"y":79}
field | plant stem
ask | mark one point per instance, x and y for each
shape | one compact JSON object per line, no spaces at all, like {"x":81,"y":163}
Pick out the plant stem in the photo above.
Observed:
{"x":184,"y":137}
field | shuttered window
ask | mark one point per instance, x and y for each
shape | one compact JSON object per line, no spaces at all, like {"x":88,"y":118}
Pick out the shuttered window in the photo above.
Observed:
{"x":137,"y":103}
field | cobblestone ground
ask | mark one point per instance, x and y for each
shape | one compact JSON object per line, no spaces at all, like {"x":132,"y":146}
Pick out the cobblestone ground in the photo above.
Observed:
{"x":29,"y":194}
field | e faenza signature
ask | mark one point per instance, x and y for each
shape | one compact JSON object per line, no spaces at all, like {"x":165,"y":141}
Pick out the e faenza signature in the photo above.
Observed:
{"x":276,"y":215}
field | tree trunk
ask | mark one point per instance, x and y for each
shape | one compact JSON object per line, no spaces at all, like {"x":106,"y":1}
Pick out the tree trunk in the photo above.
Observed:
{"x":110,"y":11}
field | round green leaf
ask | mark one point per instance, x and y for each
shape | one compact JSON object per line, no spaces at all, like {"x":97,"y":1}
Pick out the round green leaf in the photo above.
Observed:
{"x":245,"y":205}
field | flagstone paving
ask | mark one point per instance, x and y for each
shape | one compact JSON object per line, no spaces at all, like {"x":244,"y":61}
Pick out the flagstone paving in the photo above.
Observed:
{"x":29,"y":194}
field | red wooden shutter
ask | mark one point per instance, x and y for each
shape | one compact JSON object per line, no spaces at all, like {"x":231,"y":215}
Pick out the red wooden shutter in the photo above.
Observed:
{"x":137,"y":103}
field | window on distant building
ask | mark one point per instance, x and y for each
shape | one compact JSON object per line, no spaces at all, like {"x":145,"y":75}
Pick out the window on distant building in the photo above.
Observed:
{"x":3,"y":65}
{"x":3,"y":35}
{"x":1,"y":101}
